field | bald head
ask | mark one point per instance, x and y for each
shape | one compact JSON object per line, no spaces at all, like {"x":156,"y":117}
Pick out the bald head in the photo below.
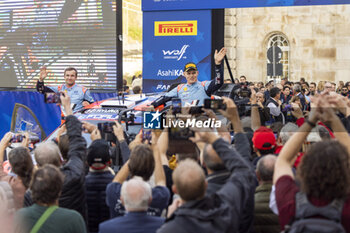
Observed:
{"x":136,"y":194}
{"x":189,"y":180}
{"x":212,"y":160}
{"x":265,"y":168}
{"x":47,"y":153}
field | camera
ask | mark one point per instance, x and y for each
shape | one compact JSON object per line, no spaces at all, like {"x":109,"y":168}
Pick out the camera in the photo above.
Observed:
{"x":214,"y":104}
{"x":240,"y":94}
{"x":241,"y":91}
{"x":52,"y":98}
{"x":106,"y":131}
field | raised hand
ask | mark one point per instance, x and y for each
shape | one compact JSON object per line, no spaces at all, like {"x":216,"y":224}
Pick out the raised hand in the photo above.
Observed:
{"x":5,"y":141}
{"x":65,"y":101}
{"x":219,"y":56}
{"x":95,"y":134}
{"x":118,"y":131}
{"x":43,"y":73}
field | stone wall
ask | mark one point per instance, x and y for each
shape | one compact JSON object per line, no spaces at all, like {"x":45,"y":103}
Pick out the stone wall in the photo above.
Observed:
{"x":319,"y":40}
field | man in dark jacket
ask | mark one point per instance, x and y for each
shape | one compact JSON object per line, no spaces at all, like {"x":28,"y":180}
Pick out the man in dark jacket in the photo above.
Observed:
{"x":96,"y":181}
{"x":220,"y":212}
{"x":265,"y":220}
{"x":264,"y":112}
{"x":73,"y":191}
{"x":274,"y":104}
{"x":136,"y":195}
{"x":218,"y":174}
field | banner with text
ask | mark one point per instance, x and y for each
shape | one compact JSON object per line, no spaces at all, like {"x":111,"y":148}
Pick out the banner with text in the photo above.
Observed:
{"x":172,"y":39}
{"x":165,"y":5}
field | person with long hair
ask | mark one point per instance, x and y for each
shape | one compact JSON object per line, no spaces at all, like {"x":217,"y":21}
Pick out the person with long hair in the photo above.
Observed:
{"x":324,"y":171}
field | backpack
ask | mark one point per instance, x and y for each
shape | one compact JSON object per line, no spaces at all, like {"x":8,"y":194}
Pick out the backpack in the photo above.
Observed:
{"x":305,"y":222}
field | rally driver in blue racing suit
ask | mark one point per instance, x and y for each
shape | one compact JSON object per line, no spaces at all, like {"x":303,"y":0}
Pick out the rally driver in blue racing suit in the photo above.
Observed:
{"x":79,"y":95}
{"x":193,"y":89}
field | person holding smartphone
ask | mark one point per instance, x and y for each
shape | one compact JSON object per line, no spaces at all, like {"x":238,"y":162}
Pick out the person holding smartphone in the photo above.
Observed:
{"x":79,"y":95}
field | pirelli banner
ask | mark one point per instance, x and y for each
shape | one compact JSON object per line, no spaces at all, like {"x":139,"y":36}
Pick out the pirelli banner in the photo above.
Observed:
{"x":170,"y":40}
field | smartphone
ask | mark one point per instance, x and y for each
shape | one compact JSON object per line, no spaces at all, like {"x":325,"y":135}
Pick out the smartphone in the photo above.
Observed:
{"x":214,"y":104}
{"x":176,"y":102}
{"x":52,"y":98}
{"x":16,"y":138}
{"x":146,"y":135}
{"x":106,"y":131}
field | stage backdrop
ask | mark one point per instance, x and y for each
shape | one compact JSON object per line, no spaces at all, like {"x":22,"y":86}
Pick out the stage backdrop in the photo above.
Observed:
{"x":170,"y":40}
{"x":165,"y":5}
{"x":58,"y":34}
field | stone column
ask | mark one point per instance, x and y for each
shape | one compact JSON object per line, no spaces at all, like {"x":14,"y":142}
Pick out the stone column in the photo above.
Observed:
{"x":231,"y":41}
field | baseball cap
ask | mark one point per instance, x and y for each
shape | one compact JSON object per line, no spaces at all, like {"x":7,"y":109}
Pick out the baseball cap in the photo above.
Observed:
{"x":98,"y":152}
{"x":264,"y":138}
{"x":190,"y":66}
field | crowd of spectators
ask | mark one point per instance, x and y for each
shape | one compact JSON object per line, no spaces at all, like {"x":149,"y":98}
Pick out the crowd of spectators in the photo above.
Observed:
{"x":282,"y":165}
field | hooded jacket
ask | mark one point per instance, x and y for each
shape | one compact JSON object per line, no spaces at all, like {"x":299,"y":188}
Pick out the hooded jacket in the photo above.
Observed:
{"x":221,"y":211}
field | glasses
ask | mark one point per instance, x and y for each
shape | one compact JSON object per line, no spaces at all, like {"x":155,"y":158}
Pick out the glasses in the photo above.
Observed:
{"x":344,"y":89}
{"x":328,"y":87}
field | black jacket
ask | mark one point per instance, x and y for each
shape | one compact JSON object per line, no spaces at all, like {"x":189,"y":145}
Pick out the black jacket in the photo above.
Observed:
{"x":73,"y":190}
{"x":220,"y":212}
{"x":96,"y":183}
{"x":264,"y":114}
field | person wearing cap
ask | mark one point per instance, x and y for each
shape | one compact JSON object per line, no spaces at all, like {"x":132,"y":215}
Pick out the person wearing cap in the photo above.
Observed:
{"x":264,"y":142}
{"x":193,"y":89}
{"x":96,"y":181}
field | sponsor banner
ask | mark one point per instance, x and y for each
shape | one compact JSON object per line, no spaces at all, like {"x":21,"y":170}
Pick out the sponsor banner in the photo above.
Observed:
{"x":165,"y":5}
{"x":170,"y":40}
{"x":175,"y":28}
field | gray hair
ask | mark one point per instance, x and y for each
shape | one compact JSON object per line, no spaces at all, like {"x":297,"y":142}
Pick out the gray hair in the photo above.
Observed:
{"x":297,"y":88}
{"x":287,"y":132}
{"x":136,"y":194}
{"x":246,"y":122}
{"x":266,"y":167}
{"x":47,"y":153}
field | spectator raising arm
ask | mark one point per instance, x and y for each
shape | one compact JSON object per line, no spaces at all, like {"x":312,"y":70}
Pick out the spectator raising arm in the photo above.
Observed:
{"x":5,"y":142}
{"x":255,"y":111}
{"x":328,"y":115}
{"x":292,"y":147}
{"x":163,"y":143}
{"x":123,"y":174}
{"x":124,"y":148}
{"x":158,"y":169}
{"x":73,"y":191}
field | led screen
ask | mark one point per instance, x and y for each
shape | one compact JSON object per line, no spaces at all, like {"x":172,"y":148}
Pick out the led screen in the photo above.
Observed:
{"x":58,"y":34}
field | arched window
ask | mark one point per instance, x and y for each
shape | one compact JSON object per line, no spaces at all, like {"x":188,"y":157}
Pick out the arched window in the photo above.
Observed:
{"x":280,"y":40}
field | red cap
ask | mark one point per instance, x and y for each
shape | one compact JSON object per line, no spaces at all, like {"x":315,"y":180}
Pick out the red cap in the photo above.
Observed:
{"x":264,"y":138}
